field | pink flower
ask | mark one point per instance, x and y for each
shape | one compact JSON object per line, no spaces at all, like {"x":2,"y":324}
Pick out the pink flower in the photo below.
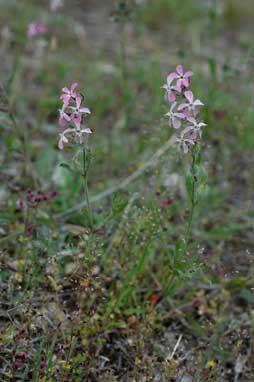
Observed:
{"x":76,"y":115}
{"x":69,"y":94}
{"x":76,"y":135}
{"x":191,"y":104}
{"x":170,"y":89}
{"x":72,"y":113}
{"x":175,"y":116}
{"x":182,"y":78}
{"x":86,"y":130}
{"x":183,"y":111}
{"x":64,"y":117}
{"x":186,"y":114}
{"x":195,"y":129}
{"x":80,"y":134}
{"x":63,"y":139}
{"x":36,"y":29}
{"x":184,"y":143}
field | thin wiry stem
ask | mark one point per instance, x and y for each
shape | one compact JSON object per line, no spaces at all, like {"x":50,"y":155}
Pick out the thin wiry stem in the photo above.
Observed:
{"x":85,"y":174}
{"x":193,"y":202}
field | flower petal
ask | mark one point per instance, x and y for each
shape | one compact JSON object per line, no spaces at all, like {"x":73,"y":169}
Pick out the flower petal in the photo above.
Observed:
{"x":61,"y":121}
{"x":76,"y":118}
{"x":85,"y":110}
{"x":176,"y":123}
{"x":62,"y":140}
{"x":186,"y":114}
{"x":78,"y":102}
{"x":185,"y":82}
{"x":180,"y":115}
{"x":60,"y":144}
{"x":66,"y":90}
{"x":192,"y":120}
{"x":81,"y":139}
{"x":170,"y":97}
{"x":189,"y":96}
{"x":178,"y":86}
{"x":65,"y":98}
{"x":171,"y":77}
{"x":86,"y":130}
{"x":179,"y":70}
{"x":188,"y":74}
{"x":197,"y":102}
{"x":186,"y":130}
{"x":185,"y":148}
{"x":73,"y":86}
{"x":182,"y":106}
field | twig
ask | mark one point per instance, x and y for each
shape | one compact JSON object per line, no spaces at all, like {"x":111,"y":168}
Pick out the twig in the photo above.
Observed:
{"x":175,"y":347}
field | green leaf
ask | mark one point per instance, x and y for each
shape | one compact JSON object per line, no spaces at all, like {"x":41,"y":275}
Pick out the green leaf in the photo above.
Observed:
{"x":118,"y":204}
{"x":66,"y":166}
{"x":201,"y":190}
{"x":195,"y":170}
{"x":179,"y":248}
{"x":197,"y":154}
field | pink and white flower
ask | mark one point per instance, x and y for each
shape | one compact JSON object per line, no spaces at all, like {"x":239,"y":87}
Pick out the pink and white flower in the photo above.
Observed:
{"x":76,"y":115}
{"x":175,"y":117}
{"x":170,"y":88}
{"x":64,"y":117}
{"x":192,"y":104}
{"x":63,"y":140}
{"x":69,"y":94}
{"x":195,"y":129}
{"x":80,"y":134}
{"x":184,"y":109}
{"x":72,"y":112}
{"x":184,"y":144}
{"x":182,"y":79}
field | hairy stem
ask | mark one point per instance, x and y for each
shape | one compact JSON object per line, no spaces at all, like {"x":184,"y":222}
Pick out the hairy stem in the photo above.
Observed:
{"x":193,"y":202}
{"x":85,"y":175}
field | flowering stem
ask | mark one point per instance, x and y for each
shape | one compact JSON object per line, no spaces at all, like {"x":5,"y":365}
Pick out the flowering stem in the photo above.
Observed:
{"x":85,"y":175}
{"x":193,"y":200}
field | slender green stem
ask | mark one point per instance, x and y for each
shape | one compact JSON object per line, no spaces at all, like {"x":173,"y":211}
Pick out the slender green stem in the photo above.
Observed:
{"x":193,"y":202}
{"x":85,"y":175}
